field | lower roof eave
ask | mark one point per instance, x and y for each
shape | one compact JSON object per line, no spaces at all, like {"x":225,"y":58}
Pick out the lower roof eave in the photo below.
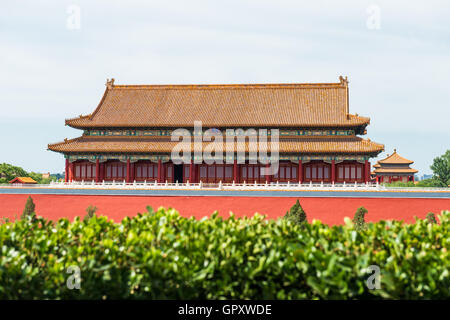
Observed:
{"x":326,"y":156}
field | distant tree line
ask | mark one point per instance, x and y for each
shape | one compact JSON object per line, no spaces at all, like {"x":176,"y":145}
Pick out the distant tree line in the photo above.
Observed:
{"x":9,"y":172}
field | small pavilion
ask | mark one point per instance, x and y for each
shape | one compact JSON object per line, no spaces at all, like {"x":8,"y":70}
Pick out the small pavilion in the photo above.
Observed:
{"x":394,"y":168}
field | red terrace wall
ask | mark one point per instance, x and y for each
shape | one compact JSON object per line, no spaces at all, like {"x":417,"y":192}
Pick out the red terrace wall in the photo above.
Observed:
{"x":328,"y":210}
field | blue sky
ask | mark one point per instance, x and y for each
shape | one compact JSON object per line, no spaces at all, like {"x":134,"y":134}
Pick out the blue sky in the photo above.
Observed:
{"x":399,"y":73}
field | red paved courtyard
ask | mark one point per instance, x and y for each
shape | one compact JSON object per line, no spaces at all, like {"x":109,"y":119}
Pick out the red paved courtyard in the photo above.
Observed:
{"x":328,"y":210}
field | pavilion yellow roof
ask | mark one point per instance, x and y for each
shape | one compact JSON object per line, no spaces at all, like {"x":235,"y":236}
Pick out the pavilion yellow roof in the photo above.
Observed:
{"x":23,"y":180}
{"x":319,"y":144}
{"x":395,"y":158}
{"x":241,"y":105}
{"x":395,"y":170}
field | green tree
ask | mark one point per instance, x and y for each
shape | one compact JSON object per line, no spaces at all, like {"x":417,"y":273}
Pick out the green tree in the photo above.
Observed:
{"x":296,"y":214}
{"x":9,"y":172}
{"x":431,"y":218}
{"x":90,"y":212}
{"x":426,"y":183}
{"x":30,"y":209}
{"x":39,"y":179}
{"x":359,"y":219}
{"x":441,"y":169}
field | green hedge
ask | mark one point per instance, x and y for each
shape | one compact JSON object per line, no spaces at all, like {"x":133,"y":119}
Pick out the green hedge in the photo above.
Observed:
{"x":161,"y":255}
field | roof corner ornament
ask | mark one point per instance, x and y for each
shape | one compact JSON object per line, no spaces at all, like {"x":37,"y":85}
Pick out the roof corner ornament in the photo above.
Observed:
{"x":110,"y":83}
{"x":344,"y":81}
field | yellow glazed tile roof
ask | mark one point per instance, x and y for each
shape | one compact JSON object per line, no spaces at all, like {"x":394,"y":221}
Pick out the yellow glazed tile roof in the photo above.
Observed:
{"x":395,"y":170}
{"x":320,"y":144}
{"x":395,"y":158}
{"x":244,"y":105}
{"x":23,"y":180}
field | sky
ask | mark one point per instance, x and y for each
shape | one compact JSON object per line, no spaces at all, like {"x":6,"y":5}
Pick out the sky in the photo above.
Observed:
{"x":55,"y":57}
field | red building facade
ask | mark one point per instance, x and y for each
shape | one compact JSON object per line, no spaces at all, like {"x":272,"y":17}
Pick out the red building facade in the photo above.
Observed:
{"x":128,"y":136}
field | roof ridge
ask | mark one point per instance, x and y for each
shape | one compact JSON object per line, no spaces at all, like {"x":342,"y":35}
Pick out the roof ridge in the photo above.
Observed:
{"x":229,"y":86}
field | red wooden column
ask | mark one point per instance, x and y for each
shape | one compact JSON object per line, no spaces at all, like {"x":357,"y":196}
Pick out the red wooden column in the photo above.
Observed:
{"x":97,"y":171}
{"x":268,"y":176}
{"x":366,"y":171}
{"x":235,"y":171}
{"x":66,"y":172}
{"x":300,"y":171}
{"x":128,"y":171}
{"x":194,"y":172}
{"x":159,"y":178}
{"x":191,"y":172}
{"x":333,"y":171}
{"x":70,"y":171}
{"x":102,"y":171}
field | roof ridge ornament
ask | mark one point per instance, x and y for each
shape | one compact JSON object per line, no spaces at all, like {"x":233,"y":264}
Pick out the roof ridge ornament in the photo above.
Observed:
{"x":110,"y":83}
{"x":344,"y":81}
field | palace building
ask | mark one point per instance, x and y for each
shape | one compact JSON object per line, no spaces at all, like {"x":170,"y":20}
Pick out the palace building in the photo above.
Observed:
{"x":128,"y":136}
{"x":394,"y":168}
